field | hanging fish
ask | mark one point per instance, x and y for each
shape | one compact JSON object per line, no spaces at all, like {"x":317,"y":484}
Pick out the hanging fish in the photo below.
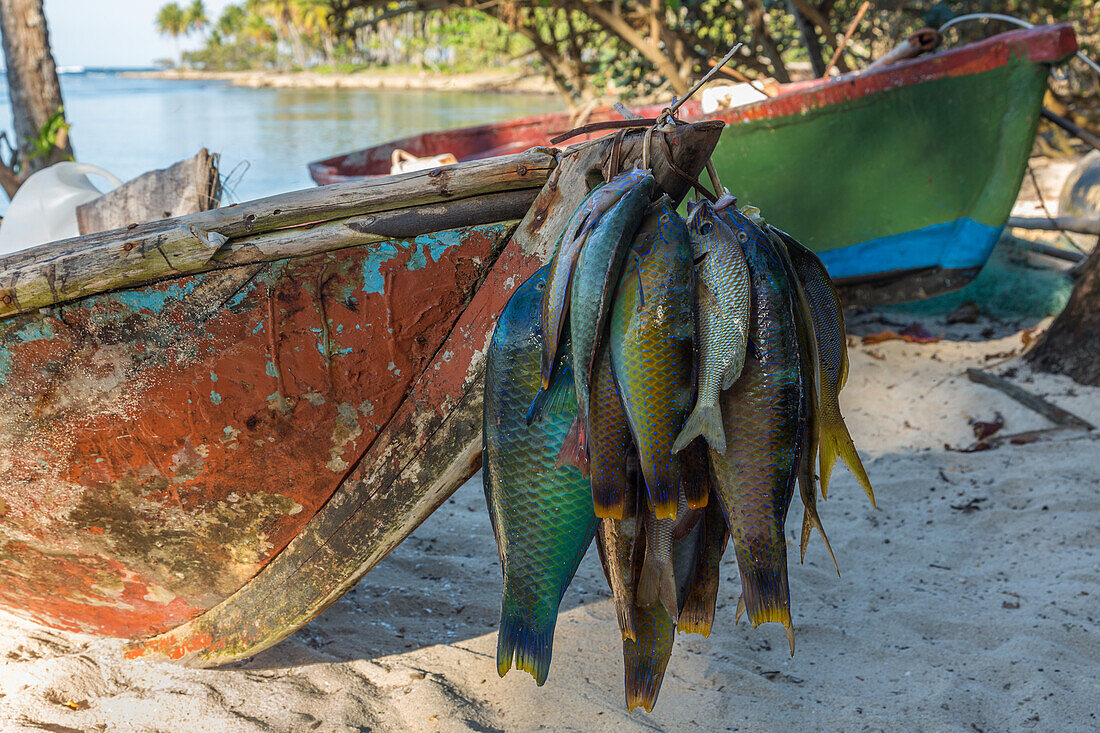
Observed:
{"x":646,"y":658}
{"x":761,"y":414}
{"x":657,"y":579}
{"x":609,"y":443}
{"x":617,"y":540}
{"x":828,"y":323}
{"x":698,"y":599}
{"x":652,"y":351}
{"x":723,"y":298}
{"x":809,"y":359}
{"x":594,"y":279}
{"x":541,"y":515}
{"x":555,"y":298}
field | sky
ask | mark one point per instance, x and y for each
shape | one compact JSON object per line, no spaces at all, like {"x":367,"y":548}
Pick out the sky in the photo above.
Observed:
{"x":112,"y":32}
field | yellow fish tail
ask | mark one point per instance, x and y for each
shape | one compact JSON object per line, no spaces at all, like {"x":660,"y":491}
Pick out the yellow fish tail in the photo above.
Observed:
{"x":836,"y":441}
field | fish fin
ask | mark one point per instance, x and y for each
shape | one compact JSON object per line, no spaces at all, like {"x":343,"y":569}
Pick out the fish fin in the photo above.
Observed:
{"x":528,"y":648}
{"x":740,"y":609}
{"x":558,"y":397}
{"x":624,"y":612}
{"x":534,"y":412}
{"x":705,"y":421}
{"x":606,"y":504}
{"x":645,"y":661}
{"x":697,"y":615}
{"x":695,"y":474}
{"x":573,"y":451}
{"x":752,"y":349}
{"x":837,"y":441}
{"x":811,"y":519}
{"x":766,"y":594}
{"x":658,"y":581}
{"x":732,"y":372}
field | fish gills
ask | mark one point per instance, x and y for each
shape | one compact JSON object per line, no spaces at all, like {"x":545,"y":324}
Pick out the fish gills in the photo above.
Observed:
{"x":828,"y":326}
{"x":555,"y":298}
{"x":609,"y":442}
{"x":754,"y":478}
{"x":541,"y":515}
{"x":723,"y":300}
{"x":652,"y":350}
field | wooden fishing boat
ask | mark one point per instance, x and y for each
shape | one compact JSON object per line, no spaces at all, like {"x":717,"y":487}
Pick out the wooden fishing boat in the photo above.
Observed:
{"x":212,"y":426}
{"x":901,"y":178}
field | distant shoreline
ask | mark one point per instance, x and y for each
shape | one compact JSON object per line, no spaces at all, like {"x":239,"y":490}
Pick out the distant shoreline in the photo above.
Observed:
{"x":382,"y":80}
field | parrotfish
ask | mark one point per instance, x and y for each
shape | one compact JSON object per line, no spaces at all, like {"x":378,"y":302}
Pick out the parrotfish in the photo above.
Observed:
{"x":657,"y":579}
{"x":609,"y":442}
{"x":828,"y":325}
{"x":809,"y":359}
{"x":541,"y":515}
{"x":723,"y":299}
{"x":646,"y":657}
{"x":761,"y":414}
{"x":555,"y":298}
{"x":594,"y":280}
{"x":617,"y":541}
{"x":652,"y":350}
{"x":697,"y":601}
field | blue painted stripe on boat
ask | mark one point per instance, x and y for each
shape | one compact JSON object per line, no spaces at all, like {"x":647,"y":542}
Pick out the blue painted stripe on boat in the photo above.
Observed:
{"x":955,"y":244}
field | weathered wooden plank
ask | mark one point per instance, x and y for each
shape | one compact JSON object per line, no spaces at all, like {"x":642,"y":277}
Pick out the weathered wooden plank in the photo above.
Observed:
{"x":429,"y":448}
{"x":187,"y":187}
{"x":120,"y":258}
{"x":160,"y":445}
{"x":379,"y":227}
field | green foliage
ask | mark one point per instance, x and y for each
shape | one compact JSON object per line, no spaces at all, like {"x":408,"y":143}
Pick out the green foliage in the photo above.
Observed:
{"x":569,"y":42}
{"x":171,"y":20}
{"x":43,"y":144}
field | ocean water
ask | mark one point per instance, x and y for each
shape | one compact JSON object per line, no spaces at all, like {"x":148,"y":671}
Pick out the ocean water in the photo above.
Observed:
{"x":265,"y":136}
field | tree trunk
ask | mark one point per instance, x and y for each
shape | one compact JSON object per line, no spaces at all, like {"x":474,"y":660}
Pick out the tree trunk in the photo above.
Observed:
{"x":809,"y":36}
{"x":1071,"y":345}
{"x":32,"y":80}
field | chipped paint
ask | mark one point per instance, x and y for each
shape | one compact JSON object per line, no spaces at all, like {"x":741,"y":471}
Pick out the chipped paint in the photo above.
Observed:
{"x":160,"y":445}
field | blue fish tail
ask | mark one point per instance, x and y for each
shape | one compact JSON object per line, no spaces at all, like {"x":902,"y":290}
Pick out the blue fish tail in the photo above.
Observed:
{"x":522,"y":643}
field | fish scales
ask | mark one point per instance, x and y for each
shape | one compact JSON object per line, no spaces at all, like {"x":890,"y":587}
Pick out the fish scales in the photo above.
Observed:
{"x":646,"y":657}
{"x":542,"y":516}
{"x":810,"y":365}
{"x":828,"y":326}
{"x":554,"y":304}
{"x":723,"y":301}
{"x":754,"y":478}
{"x":652,"y":350}
{"x":595,"y":277}
{"x":609,"y":442}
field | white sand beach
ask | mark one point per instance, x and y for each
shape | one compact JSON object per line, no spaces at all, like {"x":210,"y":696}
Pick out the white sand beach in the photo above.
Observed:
{"x":967,"y":602}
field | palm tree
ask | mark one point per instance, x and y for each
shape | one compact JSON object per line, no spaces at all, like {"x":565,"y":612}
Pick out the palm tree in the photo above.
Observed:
{"x":232,"y":21}
{"x":172,"y":21}
{"x":196,"y":17}
{"x":313,"y":17}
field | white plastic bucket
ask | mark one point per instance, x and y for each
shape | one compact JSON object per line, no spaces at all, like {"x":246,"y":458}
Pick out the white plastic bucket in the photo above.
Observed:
{"x":44,"y":207}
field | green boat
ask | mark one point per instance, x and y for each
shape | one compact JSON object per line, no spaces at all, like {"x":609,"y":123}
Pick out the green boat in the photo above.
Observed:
{"x":901,"y":178}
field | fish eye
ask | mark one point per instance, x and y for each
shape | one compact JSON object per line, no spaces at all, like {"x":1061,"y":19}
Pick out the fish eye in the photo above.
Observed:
{"x":541,"y":285}
{"x":742,"y":237}
{"x":706,"y":228}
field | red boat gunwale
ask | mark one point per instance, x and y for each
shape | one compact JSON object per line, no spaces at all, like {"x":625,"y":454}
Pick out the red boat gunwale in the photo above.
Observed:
{"x":1044,"y":44}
